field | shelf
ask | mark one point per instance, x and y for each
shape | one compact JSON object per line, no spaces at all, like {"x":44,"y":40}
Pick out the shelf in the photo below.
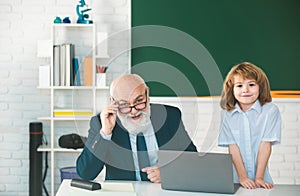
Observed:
{"x":87,"y":95}
{"x":47,"y":148}
{"x":74,"y":88}
{"x":72,"y":25}
{"x":66,"y":118}
{"x":44,"y":88}
{"x":102,"y":88}
{"x":44,"y":118}
{"x":72,"y":118}
{"x":67,"y":87}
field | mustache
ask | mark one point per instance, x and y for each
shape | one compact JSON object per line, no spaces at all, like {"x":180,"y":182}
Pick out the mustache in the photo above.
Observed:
{"x":134,"y":115}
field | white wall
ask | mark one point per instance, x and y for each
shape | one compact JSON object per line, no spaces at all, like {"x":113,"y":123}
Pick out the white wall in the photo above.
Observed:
{"x":23,"y":23}
{"x":26,"y":21}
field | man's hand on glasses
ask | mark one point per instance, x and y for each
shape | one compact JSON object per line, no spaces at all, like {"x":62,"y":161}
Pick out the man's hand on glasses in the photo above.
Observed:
{"x":108,"y":118}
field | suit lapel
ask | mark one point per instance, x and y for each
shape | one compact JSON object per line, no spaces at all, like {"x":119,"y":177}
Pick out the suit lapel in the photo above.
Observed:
{"x":158,"y":120}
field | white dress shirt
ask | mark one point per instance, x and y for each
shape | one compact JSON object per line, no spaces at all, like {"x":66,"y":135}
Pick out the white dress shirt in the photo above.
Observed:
{"x":247,"y":130}
{"x":151,"y":143}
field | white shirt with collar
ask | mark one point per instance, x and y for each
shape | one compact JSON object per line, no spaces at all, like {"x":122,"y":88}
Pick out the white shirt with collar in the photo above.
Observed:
{"x":247,"y":130}
{"x":151,"y":143}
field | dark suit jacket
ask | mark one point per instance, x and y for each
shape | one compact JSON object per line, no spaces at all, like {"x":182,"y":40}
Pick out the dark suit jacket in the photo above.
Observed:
{"x":116,"y":154}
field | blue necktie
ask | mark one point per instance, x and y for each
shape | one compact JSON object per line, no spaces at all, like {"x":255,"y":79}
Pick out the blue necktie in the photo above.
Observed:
{"x":142,"y":154}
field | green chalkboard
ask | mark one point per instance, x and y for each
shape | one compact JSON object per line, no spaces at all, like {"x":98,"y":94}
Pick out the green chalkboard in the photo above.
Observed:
{"x":186,"y":47}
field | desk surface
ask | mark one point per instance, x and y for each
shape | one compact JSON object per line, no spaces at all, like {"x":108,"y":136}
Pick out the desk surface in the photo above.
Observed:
{"x":152,"y":189}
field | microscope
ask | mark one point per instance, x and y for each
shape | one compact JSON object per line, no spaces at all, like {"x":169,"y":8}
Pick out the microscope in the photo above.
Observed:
{"x":81,"y":8}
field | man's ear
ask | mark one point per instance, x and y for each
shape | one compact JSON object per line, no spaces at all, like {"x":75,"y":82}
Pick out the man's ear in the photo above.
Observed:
{"x":111,"y":100}
{"x":148,"y":92}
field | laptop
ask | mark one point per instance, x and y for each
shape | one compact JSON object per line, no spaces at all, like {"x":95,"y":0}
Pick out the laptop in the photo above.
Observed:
{"x":195,"y":171}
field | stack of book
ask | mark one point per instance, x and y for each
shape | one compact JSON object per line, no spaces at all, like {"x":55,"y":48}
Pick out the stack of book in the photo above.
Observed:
{"x":65,"y":66}
{"x":69,"y":113}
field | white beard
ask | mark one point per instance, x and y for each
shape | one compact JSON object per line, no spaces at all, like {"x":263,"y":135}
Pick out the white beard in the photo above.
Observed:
{"x":135,"y":127}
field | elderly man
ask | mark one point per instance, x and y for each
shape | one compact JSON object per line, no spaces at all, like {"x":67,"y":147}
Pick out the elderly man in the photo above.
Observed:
{"x":126,"y":136}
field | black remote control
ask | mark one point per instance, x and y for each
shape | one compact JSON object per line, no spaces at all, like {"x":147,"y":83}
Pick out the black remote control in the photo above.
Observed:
{"x":85,"y":184}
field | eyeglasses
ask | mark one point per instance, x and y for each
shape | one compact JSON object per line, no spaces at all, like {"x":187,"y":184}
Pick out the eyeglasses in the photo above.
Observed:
{"x":126,"y":108}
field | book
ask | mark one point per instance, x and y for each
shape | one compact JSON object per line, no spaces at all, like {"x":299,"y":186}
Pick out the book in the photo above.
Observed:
{"x":77,"y":72}
{"x":72,"y":113}
{"x":63,"y":65}
{"x":88,"y":71}
{"x":72,"y":69}
{"x":68,"y":64}
{"x":56,"y":65}
{"x":69,"y":56}
{"x":69,"y":70}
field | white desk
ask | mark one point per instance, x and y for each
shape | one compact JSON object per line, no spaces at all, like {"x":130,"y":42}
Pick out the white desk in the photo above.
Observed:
{"x":152,"y":189}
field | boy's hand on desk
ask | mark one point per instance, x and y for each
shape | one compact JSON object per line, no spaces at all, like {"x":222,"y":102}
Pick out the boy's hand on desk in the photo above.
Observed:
{"x":248,"y":183}
{"x":153,"y":173}
{"x":261,"y":183}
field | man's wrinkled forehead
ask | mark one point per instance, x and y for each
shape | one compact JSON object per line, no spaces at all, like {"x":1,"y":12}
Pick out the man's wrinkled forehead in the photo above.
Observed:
{"x":129,"y":91}
{"x":127,"y":86}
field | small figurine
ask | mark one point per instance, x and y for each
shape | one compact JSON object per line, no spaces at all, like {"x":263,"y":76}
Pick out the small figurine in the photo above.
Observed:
{"x":66,"y":20}
{"x":57,"y":19}
{"x":81,"y":8}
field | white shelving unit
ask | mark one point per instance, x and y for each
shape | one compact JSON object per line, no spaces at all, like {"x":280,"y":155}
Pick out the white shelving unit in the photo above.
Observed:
{"x":84,"y":38}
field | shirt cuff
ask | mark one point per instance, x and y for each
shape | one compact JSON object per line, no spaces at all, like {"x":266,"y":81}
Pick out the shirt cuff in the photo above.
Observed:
{"x":106,"y":137}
